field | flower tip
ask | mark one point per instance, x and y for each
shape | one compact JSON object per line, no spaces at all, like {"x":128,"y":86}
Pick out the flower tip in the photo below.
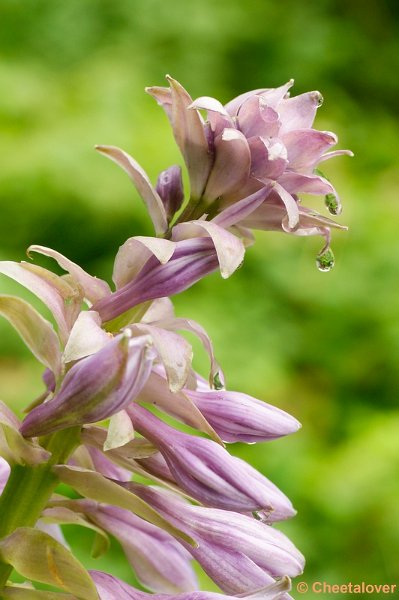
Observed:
{"x":317,"y":98}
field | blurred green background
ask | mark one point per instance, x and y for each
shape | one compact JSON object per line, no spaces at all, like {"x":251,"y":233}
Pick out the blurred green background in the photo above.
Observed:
{"x":323,"y":346}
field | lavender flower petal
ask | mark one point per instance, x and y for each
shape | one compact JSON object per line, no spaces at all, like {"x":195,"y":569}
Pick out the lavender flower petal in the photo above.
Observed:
{"x":95,"y":387}
{"x":207,"y":472}
{"x":142,"y":183}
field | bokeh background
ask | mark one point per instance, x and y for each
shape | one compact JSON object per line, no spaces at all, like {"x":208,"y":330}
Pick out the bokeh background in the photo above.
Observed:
{"x":323,"y":346}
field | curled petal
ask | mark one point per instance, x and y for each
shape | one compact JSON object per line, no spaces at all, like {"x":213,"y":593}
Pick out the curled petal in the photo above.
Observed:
{"x":238,"y":211}
{"x":37,"y":333}
{"x":191,"y":260}
{"x":257,"y":118}
{"x":174,"y":351}
{"x":94,"y":288}
{"x":135,"y":252}
{"x":231,"y":167}
{"x":56,"y":293}
{"x":268,"y":158}
{"x":229,"y":249}
{"x":296,"y":183}
{"x":86,"y":337}
{"x":290,"y":206}
{"x":142,"y":183}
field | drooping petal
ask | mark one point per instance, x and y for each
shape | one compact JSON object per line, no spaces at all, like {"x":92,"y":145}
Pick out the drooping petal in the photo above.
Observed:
{"x":36,"y":555}
{"x":190,"y":136}
{"x":53,"y":291}
{"x":175,"y":324}
{"x":174,"y":351}
{"x":218,"y":116}
{"x":93,"y":485}
{"x":229,"y":248}
{"x":231,"y":167}
{"x":290,"y":205}
{"x":143,"y":185}
{"x":94,"y":288}
{"x":178,"y":405}
{"x":37,"y":333}
{"x":135,"y":252}
{"x":297,"y":183}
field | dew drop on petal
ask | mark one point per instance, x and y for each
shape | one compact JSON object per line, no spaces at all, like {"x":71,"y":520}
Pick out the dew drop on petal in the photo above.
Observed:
{"x":333,"y":204}
{"x":326,"y":260}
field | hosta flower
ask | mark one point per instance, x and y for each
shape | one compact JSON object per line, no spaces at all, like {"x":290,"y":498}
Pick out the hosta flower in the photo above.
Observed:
{"x":206,"y":471}
{"x":240,"y":553}
{"x":95,"y":387}
{"x":261,"y":140}
{"x":160,"y":562}
{"x":235,"y":417}
{"x":112,"y":588}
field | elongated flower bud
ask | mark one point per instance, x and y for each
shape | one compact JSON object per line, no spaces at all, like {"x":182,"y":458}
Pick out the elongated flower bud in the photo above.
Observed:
{"x":238,"y":552}
{"x":96,"y":387}
{"x":207,"y":471}
{"x":170,"y":189}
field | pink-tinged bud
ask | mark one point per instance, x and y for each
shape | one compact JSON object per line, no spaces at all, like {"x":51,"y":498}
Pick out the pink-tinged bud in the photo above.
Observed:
{"x":207,"y":472}
{"x":159,"y":561}
{"x":191,"y":260}
{"x":170,"y":189}
{"x":96,"y":387}
{"x":112,"y":588}
{"x":238,"y":552}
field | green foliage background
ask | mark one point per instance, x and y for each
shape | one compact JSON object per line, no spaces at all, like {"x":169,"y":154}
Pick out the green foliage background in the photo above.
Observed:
{"x":322,"y":346}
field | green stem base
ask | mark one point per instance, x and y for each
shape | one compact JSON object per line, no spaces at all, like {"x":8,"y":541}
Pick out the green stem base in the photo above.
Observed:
{"x":29,"y":488}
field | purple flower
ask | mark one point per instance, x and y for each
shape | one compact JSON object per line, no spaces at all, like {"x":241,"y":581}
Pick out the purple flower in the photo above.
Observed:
{"x":191,"y":260}
{"x":240,"y":553}
{"x":159,"y":561}
{"x":260,"y":140}
{"x":95,"y":387}
{"x":236,"y":417}
{"x":112,"y":588}
{"x":207,"y":472}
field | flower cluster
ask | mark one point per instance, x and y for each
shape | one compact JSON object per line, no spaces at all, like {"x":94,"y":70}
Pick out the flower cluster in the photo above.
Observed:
{"x":117,"y":364}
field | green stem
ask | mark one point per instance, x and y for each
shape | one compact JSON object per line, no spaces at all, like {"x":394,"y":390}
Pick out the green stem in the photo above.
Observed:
{"x":29,"y":488}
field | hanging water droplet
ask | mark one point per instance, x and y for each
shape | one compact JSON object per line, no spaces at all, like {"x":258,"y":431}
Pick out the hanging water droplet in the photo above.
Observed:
{"x":333,"y":204}
{"x":326,"y":260}
{"x":217,"y":382}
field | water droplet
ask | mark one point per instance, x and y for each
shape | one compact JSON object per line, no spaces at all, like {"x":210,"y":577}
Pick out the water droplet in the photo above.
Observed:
{"x":326,"y":260}
{"x":333,"y":204}
{"x":217,"y":382}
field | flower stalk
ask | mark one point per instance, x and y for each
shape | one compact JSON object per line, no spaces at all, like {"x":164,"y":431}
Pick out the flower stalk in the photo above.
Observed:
{"x":29,"y":488}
